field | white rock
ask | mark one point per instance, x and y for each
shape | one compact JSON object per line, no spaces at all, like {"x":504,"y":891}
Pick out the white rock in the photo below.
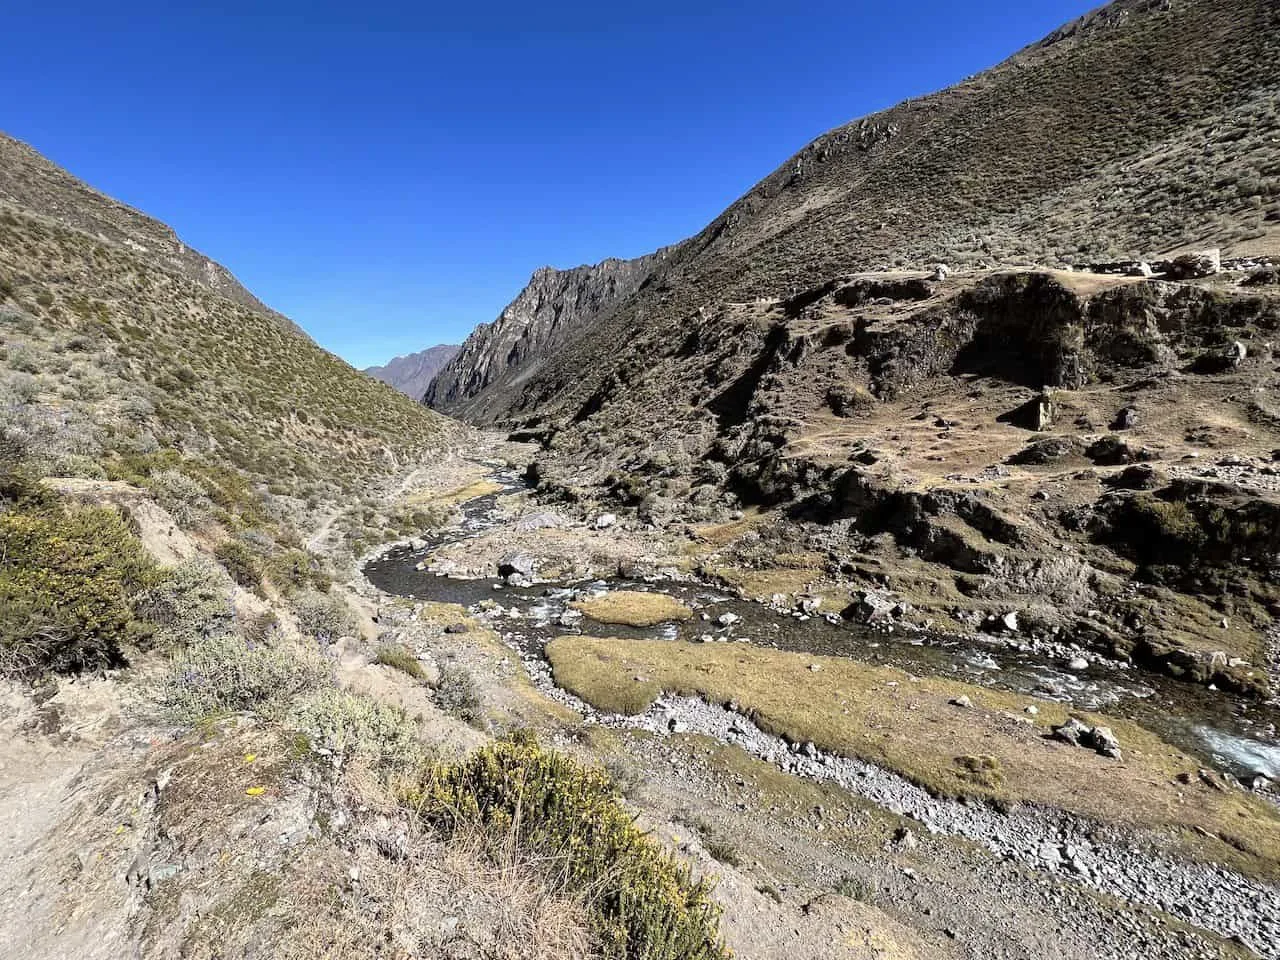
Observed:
{"x":605,"y":521}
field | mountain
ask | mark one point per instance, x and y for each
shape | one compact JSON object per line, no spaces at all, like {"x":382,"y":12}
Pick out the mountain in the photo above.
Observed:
{"x":1066,"y":423}
{"x":31,"y":183}
{"x":123,"y":344}
{"x":413,"y":373}
{"x":548,"y":313}
{"x":1143,"y":128}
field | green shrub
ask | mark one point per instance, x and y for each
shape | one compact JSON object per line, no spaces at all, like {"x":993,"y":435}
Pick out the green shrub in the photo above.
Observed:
{"x":357,"y":726}
{"x":456,"y":695}
{"x":183,"y":496}
{"x":324,"y":616}
{"x":240,"y":563}
{"x":189,"y":602}
{"x":400,"y":657}
{"x":295,"y":570}
{"x":228,"y":674}
{"x":643,"y":904}
{"x":69,"y":577}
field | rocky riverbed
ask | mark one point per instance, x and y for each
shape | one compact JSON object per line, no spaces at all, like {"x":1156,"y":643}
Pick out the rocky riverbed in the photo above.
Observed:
{"x":526,"y":614}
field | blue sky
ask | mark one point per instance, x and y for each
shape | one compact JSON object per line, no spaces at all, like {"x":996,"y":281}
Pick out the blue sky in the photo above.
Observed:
{"x":390,"y":173}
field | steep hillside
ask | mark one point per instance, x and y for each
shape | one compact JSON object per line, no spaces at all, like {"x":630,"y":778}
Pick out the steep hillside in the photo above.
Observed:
{"x":552,"y":310}
{"x":124,"y":354}
{"x":959,"y":442}
{"x":31,"y":183}
{"x":1144,"y":128}
{"x":413,"y":373}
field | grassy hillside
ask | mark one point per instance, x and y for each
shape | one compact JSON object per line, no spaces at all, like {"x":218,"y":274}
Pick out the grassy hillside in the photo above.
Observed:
{"x":1145,"y":128}
{"x":106,"y":356}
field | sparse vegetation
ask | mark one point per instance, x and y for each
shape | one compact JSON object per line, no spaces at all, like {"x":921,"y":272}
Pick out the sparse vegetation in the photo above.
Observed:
{"x":399,"y":657}
{"x":456,"y":694}
{"x":850,"y":708}
{"x":352,"y":725}
{"x":70,"y":578}
{"x":643,"y":904}
{"x":323,"y":616}
{"x":226,"y":673}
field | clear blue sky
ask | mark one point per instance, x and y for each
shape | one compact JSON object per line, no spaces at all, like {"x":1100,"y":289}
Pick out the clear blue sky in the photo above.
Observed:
{"x":389,"y":173}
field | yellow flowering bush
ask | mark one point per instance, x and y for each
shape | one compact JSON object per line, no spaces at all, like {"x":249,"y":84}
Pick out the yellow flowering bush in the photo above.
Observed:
{"x":568,"y":818}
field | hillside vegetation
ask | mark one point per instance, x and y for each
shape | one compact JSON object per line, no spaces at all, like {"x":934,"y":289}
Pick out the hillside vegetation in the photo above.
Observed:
{"x":1145,"y":127}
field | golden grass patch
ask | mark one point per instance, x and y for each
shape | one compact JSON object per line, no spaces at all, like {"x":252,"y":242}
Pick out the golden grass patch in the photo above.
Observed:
{"x":634,"y":608}
{"x":992,"y":750}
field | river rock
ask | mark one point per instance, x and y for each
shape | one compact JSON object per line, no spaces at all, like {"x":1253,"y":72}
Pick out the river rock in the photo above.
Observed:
{"x":1190,"y":266}
{"x":727,"y":619}
{"x":519,"y":564}
{"x":1072,"y":732}
{"x":869,"y":607}
{"x":1104,"y":741}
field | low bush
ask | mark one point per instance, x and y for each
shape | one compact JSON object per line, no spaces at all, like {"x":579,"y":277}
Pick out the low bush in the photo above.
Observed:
{"x":183,"y":496}
{"x":351,"y":725}
{"x":295,"y":570}
{"x":643,"y":904}
{"x":240,"y":563}
{"x":69,"y":579}
{"x":400,"y":657}
{"x":456,"y":694}
{"x":189,"y":602}
{"x":229,"y":674}
{"x":323,"y":616}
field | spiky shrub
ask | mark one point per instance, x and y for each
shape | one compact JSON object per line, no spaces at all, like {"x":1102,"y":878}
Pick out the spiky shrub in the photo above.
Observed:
{"x":69,"y":577}
{"x":355,"y":726}
{"x":644,"y":905}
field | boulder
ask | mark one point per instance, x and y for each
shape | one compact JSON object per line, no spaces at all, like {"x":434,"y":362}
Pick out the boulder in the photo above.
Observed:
{"x":1221,"y":359}
{"x":1190,"y":266}
{"x":605,"y":521}
{"x":868,"y":607}
{"x":1104,"y":741}
{"x":517,"y":564}
{"x":1126,"y":419}
{"x":1141,"y":269}
{"x":940,"y":272}
{"x":1140,"y":476}
{"x":1072,"y":732}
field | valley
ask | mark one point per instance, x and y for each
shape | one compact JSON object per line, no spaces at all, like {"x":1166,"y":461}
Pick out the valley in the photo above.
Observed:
{"x":891,"y":569}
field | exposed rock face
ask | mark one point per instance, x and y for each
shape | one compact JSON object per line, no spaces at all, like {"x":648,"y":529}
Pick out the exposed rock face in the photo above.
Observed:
{"x":550,"y":311}
{"x":413,"y":373}
{"x":974,"y":177}
{"x":31,"y":183}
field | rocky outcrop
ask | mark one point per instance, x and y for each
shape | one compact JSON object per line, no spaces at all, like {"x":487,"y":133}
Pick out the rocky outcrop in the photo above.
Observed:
{"x":413,"y":373}
{"x":552,"y":309}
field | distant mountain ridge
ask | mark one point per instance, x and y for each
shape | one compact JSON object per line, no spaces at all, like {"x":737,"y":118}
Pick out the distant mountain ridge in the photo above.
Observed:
{"x":547,"y":313}
{"x":412,"y":373}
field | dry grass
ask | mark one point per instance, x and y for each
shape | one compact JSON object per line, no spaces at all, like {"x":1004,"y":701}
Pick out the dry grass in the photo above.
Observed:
{"x":906,"y":724}
{"x":634,"y":608}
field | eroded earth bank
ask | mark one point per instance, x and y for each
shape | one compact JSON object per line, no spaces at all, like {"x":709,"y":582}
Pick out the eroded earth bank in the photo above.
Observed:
{"x":859,"y":785}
